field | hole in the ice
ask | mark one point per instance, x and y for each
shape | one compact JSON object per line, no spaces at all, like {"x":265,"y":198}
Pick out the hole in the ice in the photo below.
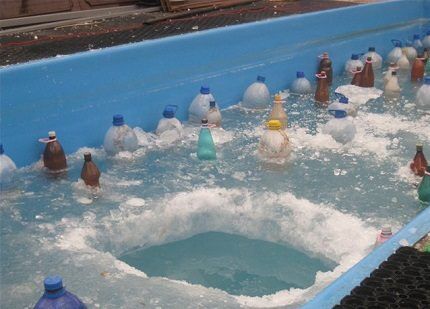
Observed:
{"x":235,"y":264}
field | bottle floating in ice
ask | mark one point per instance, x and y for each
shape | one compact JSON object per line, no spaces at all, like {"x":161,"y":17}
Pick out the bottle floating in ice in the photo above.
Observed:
{"x":352,"y":64}
{"x":301,"y":84}
{"x":169,"y":124}
{"x":278,"y":112}
{"x":392,"y":87}
{"x":410,"y":51}
{"x":257,"y":95}
{"x":419,"y":163}
{"x":367,"y":79}
{"x":376,"y":58}
{"x":343,"y":104}
{"x":214,"y":115}
{"x":200,"y":106}
{"x":396,"y":52}
{"x":326,"y":65}
{"x":403,"y":62}
{"x":90,"y":174}
{"x":7,"y":168}
{"x":418,"y":68}
{"x":205,"y":147}
{"x":341,"y":127}
{"x":392,"y":68}
{"x":54,"y":158}
{"x":322,"y":92}
{"x":424,"y":187}
{"x":119,"y":137}
{"x":383,"y":235}
{"x":356,"y":80}
{"x":423,"y":94}
{"x":56,"y":296}
{"x":426,"y":40}
{"x":274,"y":143}
{"x":417,"y":44}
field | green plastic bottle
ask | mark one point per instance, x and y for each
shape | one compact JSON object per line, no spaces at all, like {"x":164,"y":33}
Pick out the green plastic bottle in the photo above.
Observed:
{"x":206,"y":147}
{"x":424,"y":187}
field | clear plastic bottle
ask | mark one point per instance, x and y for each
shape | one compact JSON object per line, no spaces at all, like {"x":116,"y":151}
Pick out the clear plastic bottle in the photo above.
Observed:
{"x":396,"y":52}
{"x":119,"y":137}
{"x":403,"y":62}
{"x":383,"y":235}
{"x":56,"y":296}
{"x":214,"y":115}
{"x":352,"y":64}
{"x":341,"y":127}
{"x":274,"y":143}
{"x":410,"y":51}
{"x":419,"y":163}
{"x":90,"y":173}
{"x":169,"y":124}
{"x":424,"y":187}
{"x":343,"y":104}
{"x":7,"y":168}
{"x":257,"y":95}
{"x":392,"y":87}
{"x":417,"y":44}
{"x":376,"y":58}
{"x":205,"y":147}
{"x":278,"y":112}
{"x":301,"y":84}
{"x":426,"y":40}
{"x":423,"y":94}
{"x":393,"y":67}
{"x":200,"y":106}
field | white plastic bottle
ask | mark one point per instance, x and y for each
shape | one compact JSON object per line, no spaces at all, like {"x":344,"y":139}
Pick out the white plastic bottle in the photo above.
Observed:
{"x":392,"y":68}
{"x":403,"y":62}
{"x":301,"y":84}
{"x":200,"y":106}
{"x":376,"y":58}
{"x":274,"y":143}
{"x":410,"y":51}
{"x":214,"y":115}
{"x":169,"y":124}
{"x":426,"y":40}
{"x":352,"y":64}
{"x":396,"y":52}
{"x":423,"y":94}
{"x":392,"y":88}
{"x":417,"y":44}
{"x":119,"y":137}
{"x":257,"y":95}
{"x":341,"y":127}
{"x":343,"y":104}
{"x":7,"y":168}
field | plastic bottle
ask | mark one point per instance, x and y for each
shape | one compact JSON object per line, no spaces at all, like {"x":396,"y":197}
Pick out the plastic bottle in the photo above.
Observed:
{"x":376,"y":58}
{"x":393,"y":67}
{"x":278,"y":112}
{"x":352,"y":64}
{"x":119,"y":137}
{"x":56,"y":296}
{"x":424,"y":187}
{"x":214,"y":115}
{"x":418,"y":68}
{"x":410,"y":51}
{"x":392,"y":88}
{"x":205,"y":146}
{"x":426,"y":40}
{"x":417,"y":44}
{"x":322,"y":92}
{"x":403,"y":62}
{"x":274,"y":143}
{"x":257,"y":95}
{"x":169,"y":123}
{"x":419,"y":163}
{"x":326,"y":65}
{"x":356,"y":80}
{"x":367,"y":76}
{"x":343,"y":104}
{"x":301,"y":84}
{"x":396,"y":52}
{"x":341,"y":127}
{"x":200,"y":106}
{"x":383,"y":235}
{"x":7,"y":168}
{"x":53,"y":157}
{"x":423,"y":94}
{"x":90,"y":174}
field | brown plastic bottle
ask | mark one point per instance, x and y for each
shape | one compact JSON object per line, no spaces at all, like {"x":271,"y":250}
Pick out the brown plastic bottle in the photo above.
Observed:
{"x":90,"y":174}
{"x":53,"y":157}
{"x":322,"y":92}
{"x":357,"y":76}
{"x":419,"y":164}
{"x":367,"y":76}
{"x":327,"y":67}
{"x":418,"y":68}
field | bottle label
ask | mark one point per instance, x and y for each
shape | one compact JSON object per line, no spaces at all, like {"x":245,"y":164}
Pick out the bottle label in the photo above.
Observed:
{"x":46,"y":140}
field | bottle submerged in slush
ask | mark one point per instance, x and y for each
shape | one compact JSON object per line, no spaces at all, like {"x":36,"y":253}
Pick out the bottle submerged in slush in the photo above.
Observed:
{"x":90,"y":173}
{"x":7,"y":169}
{"x":257,"y":95}
{"x":205,"y":146}
{"x":424,"y":187}
{"x":278,"y":112}
{"x":301,"y":84}
{"x":200,"y":106}
{"x":54,"y":158}
{"x":419,"y":163}
{"x":119,"y":137}
{"x":214,"y":115}
{"x":322,"y":92}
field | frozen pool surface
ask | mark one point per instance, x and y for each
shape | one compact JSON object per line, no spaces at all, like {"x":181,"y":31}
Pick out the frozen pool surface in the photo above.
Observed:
{"x":326,"y":201}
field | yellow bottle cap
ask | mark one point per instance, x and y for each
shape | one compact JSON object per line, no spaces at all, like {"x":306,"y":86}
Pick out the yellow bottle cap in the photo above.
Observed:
{"x":274,"y":125}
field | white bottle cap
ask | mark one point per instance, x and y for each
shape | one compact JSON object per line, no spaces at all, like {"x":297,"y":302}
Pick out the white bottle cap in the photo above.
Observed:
{"x":386,"y":230}
{"x":52,"y":134}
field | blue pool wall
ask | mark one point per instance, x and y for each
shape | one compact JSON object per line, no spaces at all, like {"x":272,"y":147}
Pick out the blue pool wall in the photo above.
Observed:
{"x":77,"y":95}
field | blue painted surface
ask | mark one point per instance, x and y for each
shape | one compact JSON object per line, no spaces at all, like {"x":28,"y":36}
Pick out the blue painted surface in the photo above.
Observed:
{"x":77,"y":95}
{"x":410,"y":234}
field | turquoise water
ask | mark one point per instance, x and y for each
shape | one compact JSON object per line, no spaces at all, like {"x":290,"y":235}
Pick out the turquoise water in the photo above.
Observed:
{"x":325,"y":203}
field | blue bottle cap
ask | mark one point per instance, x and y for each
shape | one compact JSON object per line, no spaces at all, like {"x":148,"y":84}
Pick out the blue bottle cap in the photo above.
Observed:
{"x":261,"y":79}
{"x":372,"y":49}
{"x":416,"y":36}
{"x":118,"y":120}
{"x":169,"y":111}
{"x":344,"y":100}
{"x":427,"y":80}
{"x":212,"y":104}
{"x":54,"y":287}
{"x":428,"y":32}
{"x":205,"y":90}
{"x":1,"y":149}
{"x":396,"y":43}
{"x":354,"y":57}
{"x":300,"y":74}
{"x":340,"y":114}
